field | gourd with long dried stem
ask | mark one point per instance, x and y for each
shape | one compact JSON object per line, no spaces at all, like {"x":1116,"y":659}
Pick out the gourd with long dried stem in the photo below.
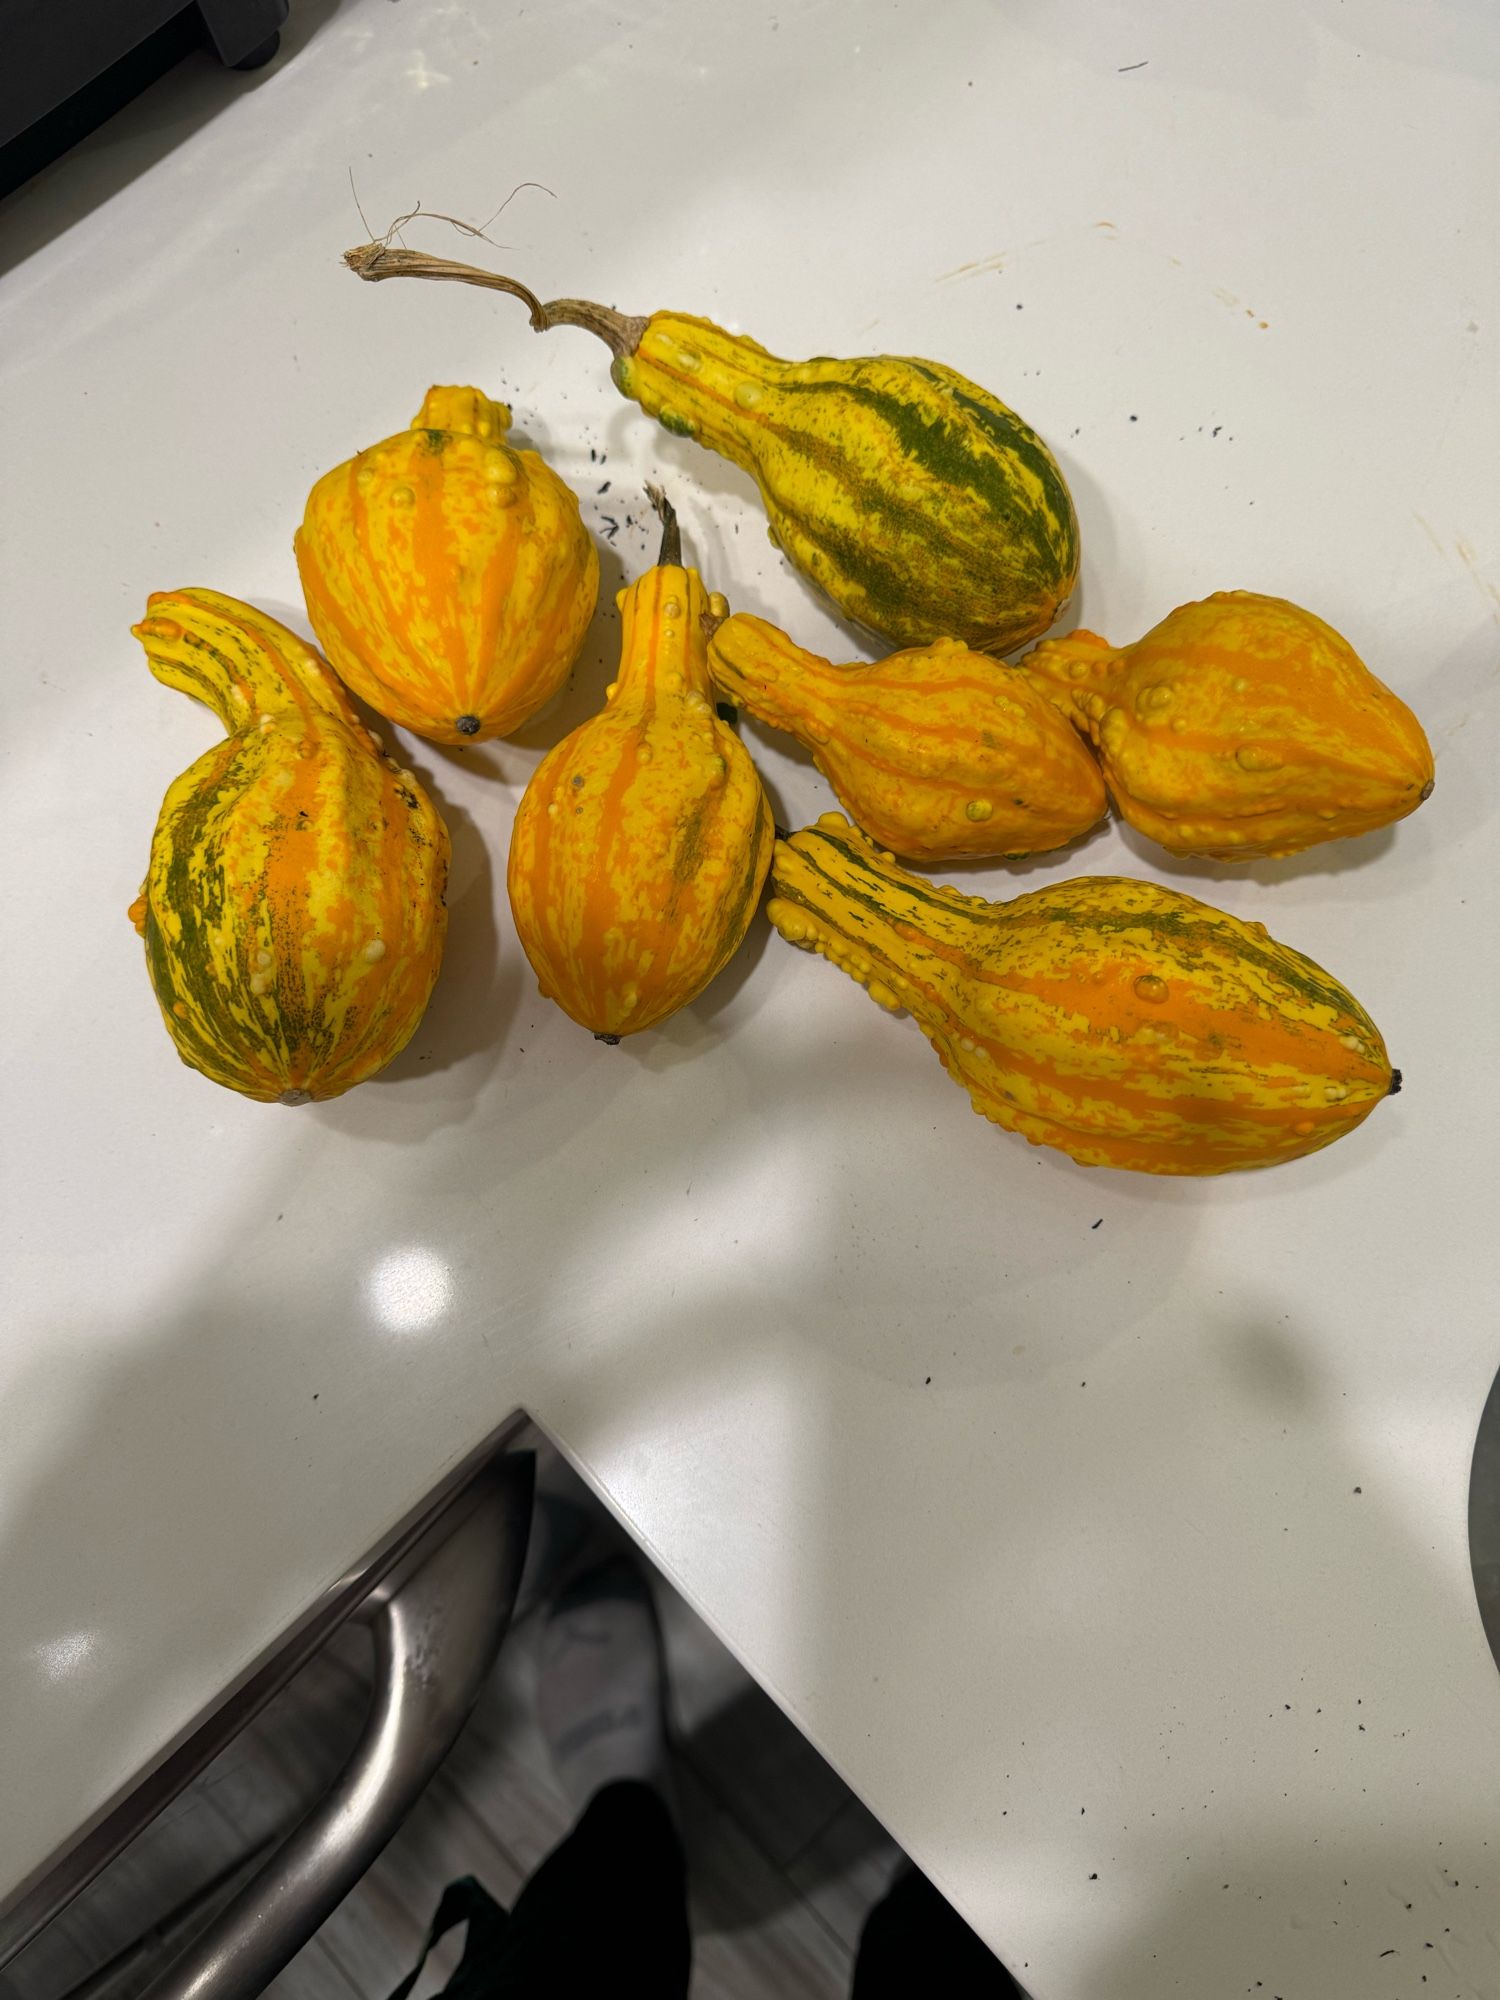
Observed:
{"x":919,"y":503}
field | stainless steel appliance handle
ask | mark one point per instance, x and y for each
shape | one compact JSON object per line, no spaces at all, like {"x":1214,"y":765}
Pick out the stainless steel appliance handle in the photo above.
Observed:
{"x":437,"y":1622}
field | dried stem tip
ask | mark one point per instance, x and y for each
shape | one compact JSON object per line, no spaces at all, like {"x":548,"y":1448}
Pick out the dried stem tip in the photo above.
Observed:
{"x":620,"y":332}
{"x":671,"y":536}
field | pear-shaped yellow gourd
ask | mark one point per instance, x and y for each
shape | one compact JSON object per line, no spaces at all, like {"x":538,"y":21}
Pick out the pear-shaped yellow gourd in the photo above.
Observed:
{"x":1238,"y":727}
{"x":450,"y":579}
{"x":937,"y":752}
{"x":293,"y":910}
{"x":641,"y":843}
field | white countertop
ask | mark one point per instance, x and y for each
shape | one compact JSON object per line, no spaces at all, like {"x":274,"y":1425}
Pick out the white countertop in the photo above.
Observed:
{"x":1107,"y":1534}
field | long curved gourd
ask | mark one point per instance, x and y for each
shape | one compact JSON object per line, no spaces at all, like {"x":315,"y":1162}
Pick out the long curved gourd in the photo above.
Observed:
{"x":450,"y":579}
{"x":642,"y":842}
{"x":1240,"y":726}
{"x":937,"y":752}
{"x":1123,"y":1023}
{"x":293,"y":908}
{"x":919,"y":503}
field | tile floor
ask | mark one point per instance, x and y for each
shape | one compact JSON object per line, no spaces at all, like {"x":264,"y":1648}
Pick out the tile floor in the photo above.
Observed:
{"x":784,"y":1861}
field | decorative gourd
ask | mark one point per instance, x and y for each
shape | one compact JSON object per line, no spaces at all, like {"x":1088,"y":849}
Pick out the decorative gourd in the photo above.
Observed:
{"x":1240,"y":726}
{"x":450,"y":579}
{"x":641,"y":843}
{"x":936,"y":752}
{"x":1123,"y":1023}
{"x":915,"y":500}
{"x":293,"y":909}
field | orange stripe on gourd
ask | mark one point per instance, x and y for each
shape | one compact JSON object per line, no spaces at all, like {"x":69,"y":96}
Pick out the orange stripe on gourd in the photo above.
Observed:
{"x":1045,"y":1040}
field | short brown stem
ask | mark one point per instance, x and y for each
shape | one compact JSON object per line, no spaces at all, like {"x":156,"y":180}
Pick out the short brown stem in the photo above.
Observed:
{"x":620,"y":332}
{"x":671,"y":534}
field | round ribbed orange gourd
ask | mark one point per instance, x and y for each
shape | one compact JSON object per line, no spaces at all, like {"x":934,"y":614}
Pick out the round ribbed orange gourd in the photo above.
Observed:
{"x":450,"y":579}
{"x":1240,"y":726}
{"x":1124,"y":1023}
{"x":293,"y":910}
{"x":937,"y":752}
{"x":641,"y":843}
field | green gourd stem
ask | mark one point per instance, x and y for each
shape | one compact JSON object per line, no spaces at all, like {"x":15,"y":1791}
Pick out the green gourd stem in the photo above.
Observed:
{"x":620,"y":332}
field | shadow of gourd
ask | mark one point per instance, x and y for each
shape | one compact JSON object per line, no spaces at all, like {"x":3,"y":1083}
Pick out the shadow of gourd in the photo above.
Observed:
{"x":706,"y":1021}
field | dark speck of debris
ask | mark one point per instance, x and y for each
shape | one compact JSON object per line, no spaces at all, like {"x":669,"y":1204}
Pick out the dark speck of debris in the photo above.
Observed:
{"x":925,"y":1384}
{"x":1095,"y":1225}
{"x":611,"y":525}
{"x":1135,"y":420}
{"x":1019,"y":306}
{"x":1359,"y":1489}
{"x":605,"y":487}
{"x":1389,"y":1952}
{"x":1094,"y":1878}
{"x":593,"y":456}
{"x":1126,"y":68}
{"x":316,"y":1394}
{"x":1217,"y":428}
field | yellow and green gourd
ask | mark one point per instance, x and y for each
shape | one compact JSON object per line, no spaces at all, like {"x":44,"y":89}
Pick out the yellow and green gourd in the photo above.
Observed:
{"x":1125,"y":1024}
{"x":293,"y":910}
{"x":916,"y":501}
{"x":642,"y":842}
{"x":937,"y":752}
{"x":449,"y":578}
{"x":1238,"y":727}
